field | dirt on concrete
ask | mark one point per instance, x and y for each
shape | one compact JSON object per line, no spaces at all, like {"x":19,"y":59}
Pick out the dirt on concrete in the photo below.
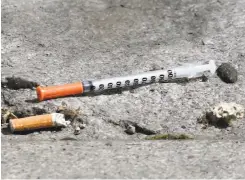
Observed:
{"x":57,"y":42}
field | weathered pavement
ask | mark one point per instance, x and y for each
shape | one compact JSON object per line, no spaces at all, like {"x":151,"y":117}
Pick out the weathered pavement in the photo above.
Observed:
{"x":55,"y":42}
{"x":105,"y":159}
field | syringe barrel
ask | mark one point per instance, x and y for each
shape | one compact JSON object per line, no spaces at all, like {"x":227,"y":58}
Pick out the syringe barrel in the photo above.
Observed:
{"x":190,"y":71}
{"x":133,"y":80}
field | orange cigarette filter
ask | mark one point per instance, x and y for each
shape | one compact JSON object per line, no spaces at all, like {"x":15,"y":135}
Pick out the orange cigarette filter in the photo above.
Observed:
{"x":37,"y":122}
{"x":59,"y":91}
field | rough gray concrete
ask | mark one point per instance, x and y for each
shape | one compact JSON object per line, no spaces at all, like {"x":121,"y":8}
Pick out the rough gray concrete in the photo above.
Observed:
{"x":56,"y":42}
{"x":133,"y":159}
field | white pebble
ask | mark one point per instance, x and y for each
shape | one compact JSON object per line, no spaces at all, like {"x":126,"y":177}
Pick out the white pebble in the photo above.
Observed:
{"x":224,"y":110}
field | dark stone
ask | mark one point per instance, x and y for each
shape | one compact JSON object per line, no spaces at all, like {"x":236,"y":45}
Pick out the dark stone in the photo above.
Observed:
{"x":183,"y":127}
{"x":19,"y":83}
{"x":227,"y":73}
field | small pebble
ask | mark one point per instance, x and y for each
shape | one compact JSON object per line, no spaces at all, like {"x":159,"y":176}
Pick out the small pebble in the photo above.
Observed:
{"x":207,"y":42}
{"x":227,"y":73}
{"x":36,"y":133}
{"x":82,"y":126}
{"x":77,"y":131}
{"x":183,"y":127}
{"x":204,"y":78}
{"x":130,"y":130}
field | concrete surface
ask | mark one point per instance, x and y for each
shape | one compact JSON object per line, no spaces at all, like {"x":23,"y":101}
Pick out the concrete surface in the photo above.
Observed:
{"x":133,"y":159}
{"x":55,"y":42}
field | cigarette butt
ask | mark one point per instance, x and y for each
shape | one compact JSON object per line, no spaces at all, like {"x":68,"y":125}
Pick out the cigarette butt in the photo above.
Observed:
{"x":59,"y":91}
{"x":37,"y":122}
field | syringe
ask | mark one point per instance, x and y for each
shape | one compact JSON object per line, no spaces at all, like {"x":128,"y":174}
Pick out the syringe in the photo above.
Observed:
{"x":188,"y":71}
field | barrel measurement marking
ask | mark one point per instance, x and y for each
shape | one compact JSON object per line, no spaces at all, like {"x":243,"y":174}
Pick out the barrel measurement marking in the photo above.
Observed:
{"x":135,"y":82}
